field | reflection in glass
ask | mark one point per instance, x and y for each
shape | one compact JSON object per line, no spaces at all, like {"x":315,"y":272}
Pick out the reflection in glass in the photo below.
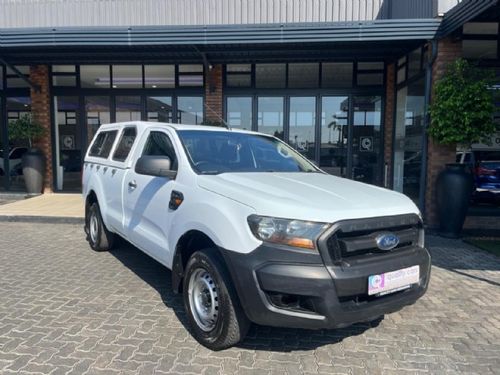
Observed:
{"x":96,"y":114}
{"x":128,"y":108}
{"x":95,"y":76}
{"x":127,"y":76}
{"x":13,"y":80}
{"x":190,"y":110}
{"x":16,"y":108}
{"x":334,"y":133}
{"x":408,"y":139}
{"x":239,"y":112}
{"x":302,"y":124}
{"x":159,"y":108}
{"x":336,"y":74}
{"x":303,"y":75}
{"x":367,"y":141}
{"x":191,"y":75}
{"x":270,"y":75}
{"x":270,"y":115}
{"x":69,"y":143}
{"x":159,"y":76}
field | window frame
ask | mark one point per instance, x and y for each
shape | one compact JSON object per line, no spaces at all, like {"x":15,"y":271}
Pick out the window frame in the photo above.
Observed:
{"x":130,"y":151}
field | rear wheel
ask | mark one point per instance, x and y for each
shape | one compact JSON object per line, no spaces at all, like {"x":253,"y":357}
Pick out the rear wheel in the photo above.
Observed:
{"x":215,"y":315}
{"x":98,"y":236}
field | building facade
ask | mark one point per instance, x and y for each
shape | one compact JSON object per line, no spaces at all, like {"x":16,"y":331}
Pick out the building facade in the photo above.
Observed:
{"x":346,"y":83}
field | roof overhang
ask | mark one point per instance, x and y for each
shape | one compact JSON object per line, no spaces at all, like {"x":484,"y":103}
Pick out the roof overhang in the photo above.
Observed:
{"x":380,"y":38}
{"x":464,"y":12}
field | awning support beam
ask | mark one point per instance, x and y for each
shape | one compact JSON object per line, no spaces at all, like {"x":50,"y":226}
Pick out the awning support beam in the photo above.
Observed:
{"x":19,"y":74}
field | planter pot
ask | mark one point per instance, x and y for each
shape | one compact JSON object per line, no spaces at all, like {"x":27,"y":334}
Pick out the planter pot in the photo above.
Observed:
{"x":33,"y":171}
{"x":453,"y":191}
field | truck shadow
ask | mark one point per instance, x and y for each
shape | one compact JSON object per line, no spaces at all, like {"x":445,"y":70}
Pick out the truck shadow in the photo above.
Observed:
{"x":259,"y":337}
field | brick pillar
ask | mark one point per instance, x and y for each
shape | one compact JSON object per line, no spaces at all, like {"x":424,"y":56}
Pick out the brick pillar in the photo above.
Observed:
{"x":439,"y":155}
{"x":40,"y":108}
{"x":390,"y":103}
{"x":213,"y":94}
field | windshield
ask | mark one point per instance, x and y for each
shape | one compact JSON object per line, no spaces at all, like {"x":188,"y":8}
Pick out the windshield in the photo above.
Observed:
{"x":213,"y":152}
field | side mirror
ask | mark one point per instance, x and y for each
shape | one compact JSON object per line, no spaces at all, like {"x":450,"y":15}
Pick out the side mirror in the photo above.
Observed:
{"x":158,"y":166}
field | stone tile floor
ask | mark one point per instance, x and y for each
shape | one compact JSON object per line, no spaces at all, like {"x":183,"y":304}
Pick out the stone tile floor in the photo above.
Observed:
{"x":66,"y":309}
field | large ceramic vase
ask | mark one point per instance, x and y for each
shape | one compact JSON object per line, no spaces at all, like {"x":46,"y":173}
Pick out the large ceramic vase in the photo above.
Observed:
{"x":33,"y":171}
{"x":454,"y":188}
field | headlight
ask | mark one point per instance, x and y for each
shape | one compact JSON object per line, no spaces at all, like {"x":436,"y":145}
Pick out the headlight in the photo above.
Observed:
{"x":295,"y":233}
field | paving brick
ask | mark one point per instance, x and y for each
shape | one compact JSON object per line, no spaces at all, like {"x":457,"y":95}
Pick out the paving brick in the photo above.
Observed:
{"x":83,"y":312}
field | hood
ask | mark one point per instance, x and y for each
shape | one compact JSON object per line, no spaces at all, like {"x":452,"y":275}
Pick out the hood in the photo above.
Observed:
{"x":307,"y":196}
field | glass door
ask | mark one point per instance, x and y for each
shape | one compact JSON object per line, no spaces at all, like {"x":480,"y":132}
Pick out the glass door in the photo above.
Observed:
{"x":270,"y":115}
{"x":366,"y":142}
{"x":302,"y":120}
{"x":334,"y":135}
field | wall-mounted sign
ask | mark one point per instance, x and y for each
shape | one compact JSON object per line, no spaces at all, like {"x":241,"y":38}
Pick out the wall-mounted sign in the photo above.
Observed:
{"x":365,"y":143}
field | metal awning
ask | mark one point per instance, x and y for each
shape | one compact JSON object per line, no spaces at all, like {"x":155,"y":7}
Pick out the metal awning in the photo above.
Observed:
{"x":462,"y":13}
{"x":380,"y":30}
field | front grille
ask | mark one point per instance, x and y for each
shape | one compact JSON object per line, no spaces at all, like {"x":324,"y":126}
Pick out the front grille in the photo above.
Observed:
{"x":353,"y":238}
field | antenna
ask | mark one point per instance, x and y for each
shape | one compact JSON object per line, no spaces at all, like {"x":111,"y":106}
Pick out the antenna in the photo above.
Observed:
{"x":218,"y":116}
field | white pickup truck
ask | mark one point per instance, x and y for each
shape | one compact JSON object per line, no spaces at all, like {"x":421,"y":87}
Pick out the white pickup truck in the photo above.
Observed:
{"x":252,"y":231}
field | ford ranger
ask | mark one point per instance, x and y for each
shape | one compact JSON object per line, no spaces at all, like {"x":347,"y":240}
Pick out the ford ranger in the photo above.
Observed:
{"x":251,"y":230}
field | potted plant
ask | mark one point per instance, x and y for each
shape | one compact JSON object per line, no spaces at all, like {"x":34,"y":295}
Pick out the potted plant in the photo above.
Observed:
{"x":26,"y":130}
{"x":461,"y":114}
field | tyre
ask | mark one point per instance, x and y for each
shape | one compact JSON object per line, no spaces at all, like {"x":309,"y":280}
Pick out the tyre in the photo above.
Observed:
{"x":215,"y":316}
{"x":99,"y":238}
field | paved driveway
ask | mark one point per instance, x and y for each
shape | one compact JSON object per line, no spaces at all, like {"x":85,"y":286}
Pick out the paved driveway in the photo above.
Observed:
{"x":66,"y":309}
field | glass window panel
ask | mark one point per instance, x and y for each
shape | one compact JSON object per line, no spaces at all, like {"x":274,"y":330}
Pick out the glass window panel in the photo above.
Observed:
{"x":16,"y":107}
{"x":303,"y":75}
{"x":128,"y":108}
{"x":159,"y":76}
{"x":366,"y":139}
{"x":414,"y":63}
{"x":481,"y":28}
{"x":371,"y":65}
{"x":69,"y":143}
{"x":13,"y":81}
{"x":408,"y":134}
{"x":190,"y":110}
{"x":302,"y":125}
{"x":401,"y":74}
{"x":370,"y":79}
{"x":238,"y":80}
{"x":95,"y":76}
{"x":402,"y":61}
{"x":480,"y":49}
{"x":239,"y":112}
{"x":127,"y":76}
{"x":336,"y":75}
{"x":24,"y":69}
{"x":239,"y":68}
{"x":64,"y":81}
{"x":63,"y":68}
{"x":334,"y":133}
{"x":270,"y":115}
{"x":191,"y":75}
{"x":270,"y":75}
{"x":159,"y":108}
{"x":96,"y":113}
{"x":125,"y":144}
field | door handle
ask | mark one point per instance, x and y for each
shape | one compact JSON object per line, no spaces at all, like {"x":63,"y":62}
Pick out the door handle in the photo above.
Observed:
{"x":132,"y":184}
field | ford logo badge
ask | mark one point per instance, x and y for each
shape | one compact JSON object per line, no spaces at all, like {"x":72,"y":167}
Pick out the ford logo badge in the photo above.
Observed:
{"x":387,"y":241}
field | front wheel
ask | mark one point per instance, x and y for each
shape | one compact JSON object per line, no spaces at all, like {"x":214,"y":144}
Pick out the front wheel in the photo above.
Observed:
{"x":215,"y":315}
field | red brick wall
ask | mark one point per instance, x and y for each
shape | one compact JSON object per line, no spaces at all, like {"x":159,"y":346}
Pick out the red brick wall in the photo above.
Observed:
{"x":390,"y":102}
{"x":213,"y":94}
{"x":439,"y":155}
{"x":40,"y":108}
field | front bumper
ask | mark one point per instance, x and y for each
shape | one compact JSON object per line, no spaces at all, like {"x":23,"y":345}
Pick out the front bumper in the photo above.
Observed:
{"x":288,"y":287}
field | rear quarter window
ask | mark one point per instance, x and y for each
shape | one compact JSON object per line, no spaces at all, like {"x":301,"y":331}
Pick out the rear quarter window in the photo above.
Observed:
{"x":103,"y":144}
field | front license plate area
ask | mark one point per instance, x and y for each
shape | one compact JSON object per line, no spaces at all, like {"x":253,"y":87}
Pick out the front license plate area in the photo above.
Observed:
{"x":394,"y":281}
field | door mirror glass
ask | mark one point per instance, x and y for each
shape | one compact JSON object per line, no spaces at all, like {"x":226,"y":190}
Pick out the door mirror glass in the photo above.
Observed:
{"x":158,"y":166}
